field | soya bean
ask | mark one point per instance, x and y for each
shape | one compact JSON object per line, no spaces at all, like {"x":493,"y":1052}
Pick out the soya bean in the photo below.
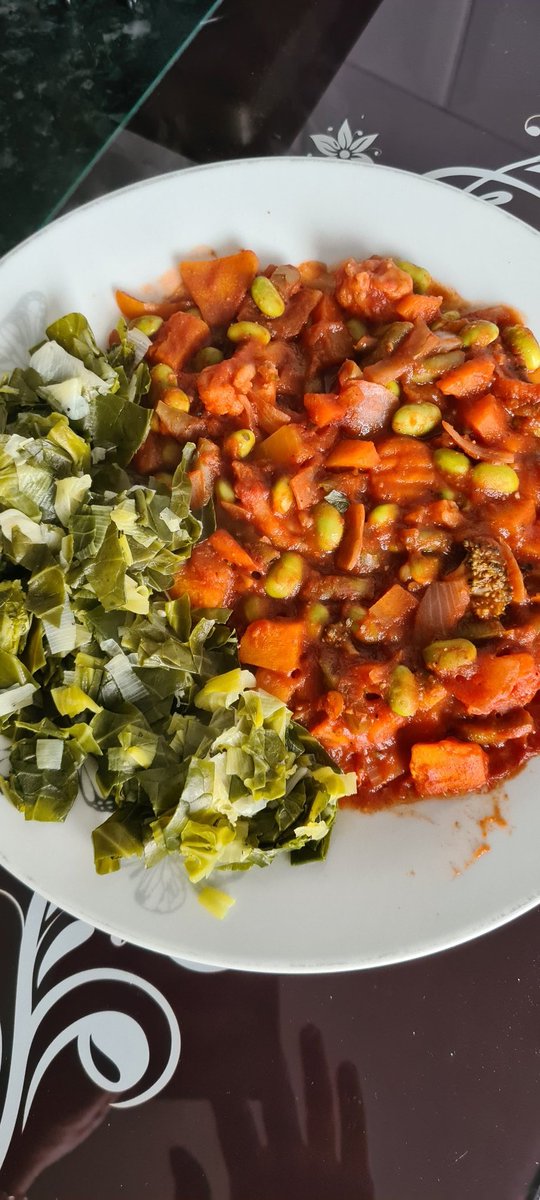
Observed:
{"x":285,"y":576}
{"x":393,"y":387}
{"x":420,"y":277}
{"x":209,"y":356}
{"x":242,"y":331}
{"x":256,"y":607}
{"x":416,"y":420}
{"x":524,"y":345}
{"x":148,"y":325}
{"x":162,"y":376}
{"x":383,"y":514}
{"x":318,"y":614}
{"x":449,"y":656}
{"x":435,"y":365}
{"x":171,"y":452}
{"x":498,"y":479}
{"x":424,"y":568}
{"x":452,"y":462}
{"x":224,"y":491}
{"x":282,"y":496}
{"x":356,"y":328}
{"x":479,"y":333}
{"x":403,"y":695}
{"x":239,"y":444}
{"x":267,"y":297}
{"x":392,"y":336}
{"x":329,"y":525}
{"x":176,"y":398}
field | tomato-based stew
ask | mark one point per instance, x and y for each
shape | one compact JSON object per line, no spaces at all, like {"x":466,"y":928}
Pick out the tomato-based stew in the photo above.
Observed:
{"x":365,"y":452}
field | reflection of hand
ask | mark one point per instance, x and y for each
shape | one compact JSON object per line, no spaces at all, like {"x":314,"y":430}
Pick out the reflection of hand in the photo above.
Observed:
{"x":51,"y":1134}
{"x":287,"y":1164}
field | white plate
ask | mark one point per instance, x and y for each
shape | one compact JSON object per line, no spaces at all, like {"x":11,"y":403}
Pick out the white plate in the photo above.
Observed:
{"x":395,"y":885}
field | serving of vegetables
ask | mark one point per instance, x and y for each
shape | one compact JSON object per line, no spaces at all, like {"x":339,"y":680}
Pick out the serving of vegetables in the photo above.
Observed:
{"x":369,"y":442}
{"x":276,"y":547}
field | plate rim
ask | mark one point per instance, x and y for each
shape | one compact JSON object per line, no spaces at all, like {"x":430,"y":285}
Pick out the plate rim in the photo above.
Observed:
{"x":162,"y":944}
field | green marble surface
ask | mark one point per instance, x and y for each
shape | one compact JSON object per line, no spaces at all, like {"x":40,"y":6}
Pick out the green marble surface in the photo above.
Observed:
{"x":71,"y":75}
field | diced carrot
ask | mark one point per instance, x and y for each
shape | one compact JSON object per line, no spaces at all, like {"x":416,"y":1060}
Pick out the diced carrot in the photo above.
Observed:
{"x":384,"y":727}
{"x":328,"y":310}
{"x":511,"y":517}
{"x":470,"y":377}
{"x":269,"y":642}
{"x":231,"y":550}
{"x":131,"y":307}
{"x":487,"y":417}
{"x":305,"y":488}
{"x":276,"y":683}
{"x":405,"y":473}
{"x":325,"y":408}
{"x":178,"y":340}
{"x":413,"y":307}
{"x":284,"y":447}
{"x":218,"y":285}
{"x":386,"y":618}
{"x":448,"y":768}
{"x":354,"y":453}
{"x":205,"y":578}
{"x":516,"y":392}
{"x":497,"y":684}
{"x":350,"y":546}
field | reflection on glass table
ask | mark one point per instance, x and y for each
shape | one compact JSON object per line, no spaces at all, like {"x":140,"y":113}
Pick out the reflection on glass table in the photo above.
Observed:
{"x":72,"y":77}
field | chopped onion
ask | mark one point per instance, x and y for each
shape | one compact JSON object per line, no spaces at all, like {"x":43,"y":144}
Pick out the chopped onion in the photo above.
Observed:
{"x":440,"y":609}
{"x":140,"y":343}
{"x":482,"y":453}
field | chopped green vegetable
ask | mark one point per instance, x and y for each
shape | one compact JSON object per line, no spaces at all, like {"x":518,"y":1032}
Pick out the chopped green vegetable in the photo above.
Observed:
{"x":95,"y":661}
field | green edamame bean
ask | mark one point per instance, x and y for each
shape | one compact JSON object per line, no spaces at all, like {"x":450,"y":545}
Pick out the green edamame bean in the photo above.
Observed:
{"x":267,"y":297}
{"x":416,"y":420}
{"x":450,"y":655}
{"x":524,"y":345}
{"x":452,"y":462}
{"x":329,"y":525}
{"x":403,"y":695}
{"x":497,"y":478}
{"x":285,"y":576}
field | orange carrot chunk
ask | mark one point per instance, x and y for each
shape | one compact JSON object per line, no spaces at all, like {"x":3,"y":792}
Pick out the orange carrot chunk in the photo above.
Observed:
{"x":487,"y":417}
{"x":448,"y":768}
{"x":386,"y":618}
{"x":218,"y":285}
{"x":415,"y":308}
{"x":354,"y":453}
{"x":131,"y":307}
{"x":350,"y":547}
{"x":228,"y":548}
{"x":471,"y":377}
{"x":178,"y":340}
{"x":497,"y":684}
{"x":267,"y":643}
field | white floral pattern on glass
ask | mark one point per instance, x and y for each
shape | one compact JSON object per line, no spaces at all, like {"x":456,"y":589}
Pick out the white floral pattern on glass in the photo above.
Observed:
{"x":345,"y":144}
{"x":515,"y":175}
{"x":110,"y":1036}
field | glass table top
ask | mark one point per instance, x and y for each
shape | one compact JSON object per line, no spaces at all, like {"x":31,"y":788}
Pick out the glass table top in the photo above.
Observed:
{"x":72,"y":75}
{"x":123,"y":1073}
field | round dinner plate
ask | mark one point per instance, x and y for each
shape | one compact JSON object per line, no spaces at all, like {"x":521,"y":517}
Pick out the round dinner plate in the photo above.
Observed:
{"x":397,"y":884}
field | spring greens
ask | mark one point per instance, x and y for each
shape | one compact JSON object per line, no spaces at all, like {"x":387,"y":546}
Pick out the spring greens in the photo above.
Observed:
{"x":99,"y":669}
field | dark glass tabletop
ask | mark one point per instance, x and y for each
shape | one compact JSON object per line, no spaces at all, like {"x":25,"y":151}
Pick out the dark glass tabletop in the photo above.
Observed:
{"x":125,"y":1073}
